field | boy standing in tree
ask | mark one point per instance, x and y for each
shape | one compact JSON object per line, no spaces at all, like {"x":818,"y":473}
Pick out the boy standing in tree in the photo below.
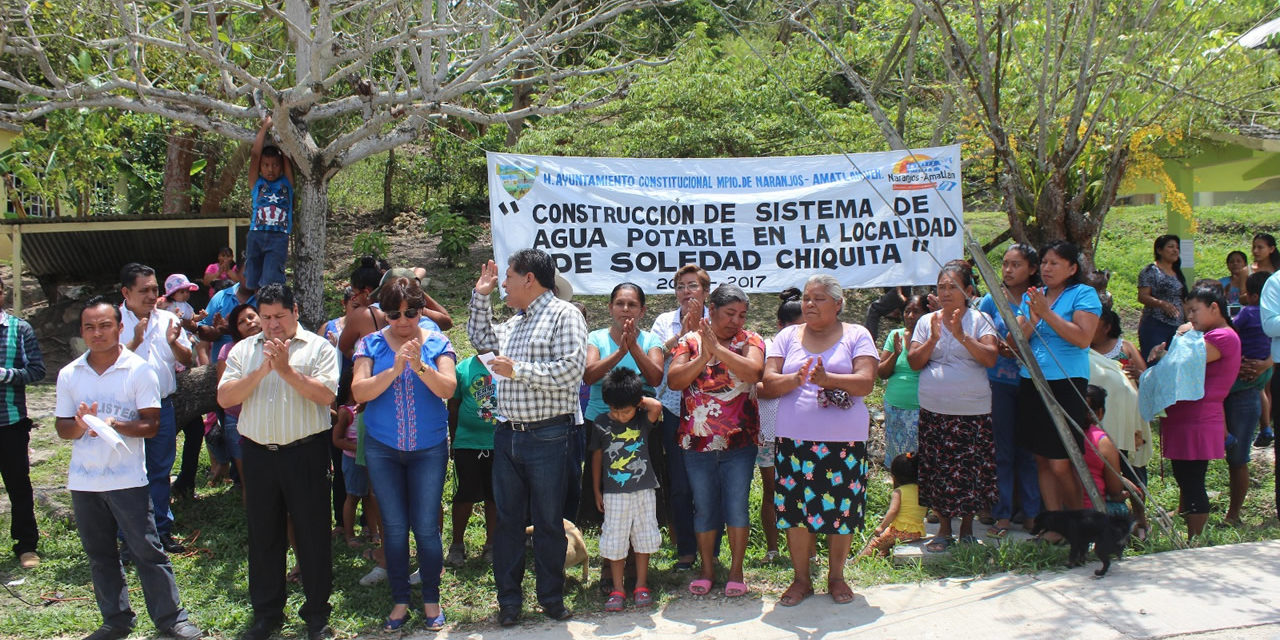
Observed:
{"x":267,"y":246}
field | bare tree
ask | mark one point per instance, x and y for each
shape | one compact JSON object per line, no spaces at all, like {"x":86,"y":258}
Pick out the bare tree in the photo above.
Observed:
{"x":342,"y":79}
{"x":1064,"y":92}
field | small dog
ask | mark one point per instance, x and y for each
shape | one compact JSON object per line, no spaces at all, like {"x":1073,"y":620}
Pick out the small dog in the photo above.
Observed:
{"x":576,"y":553}
{"x":1108,"y":533}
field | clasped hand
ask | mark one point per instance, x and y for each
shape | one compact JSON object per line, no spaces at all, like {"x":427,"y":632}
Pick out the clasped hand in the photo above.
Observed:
{"x":410,"y":355}
{"x":90,"y":410}
{"x":275,"y":355}
{"x":812,"y":371}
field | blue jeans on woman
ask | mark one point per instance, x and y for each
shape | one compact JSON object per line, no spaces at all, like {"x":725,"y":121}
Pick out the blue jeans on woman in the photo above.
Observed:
{"x":409,"y":485}
{"x":1015,"y":466}
{"x":721,"y":482}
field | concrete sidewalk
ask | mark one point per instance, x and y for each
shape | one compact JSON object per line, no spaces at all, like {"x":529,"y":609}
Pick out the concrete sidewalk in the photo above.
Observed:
{"x":1197,"y":592}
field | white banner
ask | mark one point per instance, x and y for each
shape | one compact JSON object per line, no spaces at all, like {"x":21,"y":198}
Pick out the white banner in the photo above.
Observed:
{"x":872,"y":219}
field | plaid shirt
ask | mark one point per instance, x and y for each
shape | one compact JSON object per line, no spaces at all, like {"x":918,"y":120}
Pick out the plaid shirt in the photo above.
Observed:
{"x":21,"y":364}
{"x":548,"y":343}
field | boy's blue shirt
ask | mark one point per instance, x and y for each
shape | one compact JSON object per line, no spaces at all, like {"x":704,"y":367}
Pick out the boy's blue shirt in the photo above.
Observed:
{"x":272,"y":205}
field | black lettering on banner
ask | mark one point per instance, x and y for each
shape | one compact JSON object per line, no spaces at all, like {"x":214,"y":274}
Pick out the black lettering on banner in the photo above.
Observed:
{"x":572,"y":262}
{"x":770,"y":236}
{"x":665,"y":262}
{"x":831,"y":258}
{"x":569,"y":237}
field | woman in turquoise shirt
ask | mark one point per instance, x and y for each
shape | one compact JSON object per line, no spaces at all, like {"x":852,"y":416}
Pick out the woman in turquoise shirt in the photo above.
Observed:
{"x":622,"y":344}
{"x":1059,"y":320}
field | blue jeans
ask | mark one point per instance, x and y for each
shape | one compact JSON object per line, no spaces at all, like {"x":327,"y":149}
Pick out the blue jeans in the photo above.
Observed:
{"x":721,"y":482}
{"x":530,"y":470}
{"x":1152,"y":332}
{"x":98,"y":516}
{"x":409,"y":486}
{"x":574,"y":466}
{"x":160,"y":451}
{"x":227,"y":448}
{"x":1014,"y":465}
{"x":676,"y":483}
{"x":1242,"y":407}
{"x":264,"y":256}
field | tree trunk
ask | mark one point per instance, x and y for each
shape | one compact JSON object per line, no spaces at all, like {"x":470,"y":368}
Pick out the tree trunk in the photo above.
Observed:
{"x":228,"y":175}
{"x":179,"y":155}
{"x":310,"y":213}
{"x":388,"y":179}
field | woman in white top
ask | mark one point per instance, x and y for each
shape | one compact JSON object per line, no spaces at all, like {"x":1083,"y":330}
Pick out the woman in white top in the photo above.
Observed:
{"x":952,"y":348}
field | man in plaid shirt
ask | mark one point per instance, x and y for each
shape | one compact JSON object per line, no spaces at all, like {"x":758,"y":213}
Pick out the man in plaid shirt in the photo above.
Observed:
{"x":20,"y":365}
{"x":541,"y":356}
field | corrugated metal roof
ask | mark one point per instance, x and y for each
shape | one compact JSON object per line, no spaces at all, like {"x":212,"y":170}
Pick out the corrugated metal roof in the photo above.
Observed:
{"x":77,"y":254}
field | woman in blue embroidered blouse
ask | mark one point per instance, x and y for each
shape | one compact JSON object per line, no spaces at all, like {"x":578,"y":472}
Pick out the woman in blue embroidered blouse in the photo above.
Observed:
{"x":404,"y":373}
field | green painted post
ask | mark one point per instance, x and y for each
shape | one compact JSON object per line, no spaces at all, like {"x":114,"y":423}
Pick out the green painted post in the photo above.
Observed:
{"x":1183,"y":177}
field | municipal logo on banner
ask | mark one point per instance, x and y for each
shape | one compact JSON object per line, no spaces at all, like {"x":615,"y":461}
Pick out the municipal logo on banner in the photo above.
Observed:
{"x":517,"y":180}
{"x":916,"y":172}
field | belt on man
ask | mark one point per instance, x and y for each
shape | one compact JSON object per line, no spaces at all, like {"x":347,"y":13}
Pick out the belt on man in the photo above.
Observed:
{"x":536,"y":424}
{"x":288,"y":445}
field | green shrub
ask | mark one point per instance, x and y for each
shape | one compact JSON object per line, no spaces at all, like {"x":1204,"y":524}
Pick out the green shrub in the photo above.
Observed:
{"x":370,"y":243}
{"x":456,"y":233}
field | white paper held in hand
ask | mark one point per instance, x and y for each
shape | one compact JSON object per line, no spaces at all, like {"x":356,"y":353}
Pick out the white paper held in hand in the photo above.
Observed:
{"x":486,"y":358}
{"x":106,"y":432}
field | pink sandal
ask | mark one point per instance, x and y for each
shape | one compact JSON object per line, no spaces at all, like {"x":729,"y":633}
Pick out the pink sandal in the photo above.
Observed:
{"x":700,"y":587}
{"x":735,"y":589}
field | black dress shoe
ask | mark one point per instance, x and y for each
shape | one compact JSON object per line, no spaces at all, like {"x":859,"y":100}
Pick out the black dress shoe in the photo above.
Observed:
{"x":107,"y":632}
{"x":559,"y":613}
{"x":508,"y":616}
{"x":260,"y":630}
{"x":170,"y":545}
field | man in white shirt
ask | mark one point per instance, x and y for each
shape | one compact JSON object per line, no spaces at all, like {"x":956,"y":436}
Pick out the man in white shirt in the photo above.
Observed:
{"x":108,"y":404}
{"x":157,"y":337}
{"x":284,"y":378}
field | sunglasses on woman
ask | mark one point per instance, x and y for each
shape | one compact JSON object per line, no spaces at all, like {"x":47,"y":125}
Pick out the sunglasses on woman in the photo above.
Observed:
{"x":411,"y":312}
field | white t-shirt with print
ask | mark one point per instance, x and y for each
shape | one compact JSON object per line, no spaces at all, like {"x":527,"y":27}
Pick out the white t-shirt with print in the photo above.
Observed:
{"x":121,"y":391}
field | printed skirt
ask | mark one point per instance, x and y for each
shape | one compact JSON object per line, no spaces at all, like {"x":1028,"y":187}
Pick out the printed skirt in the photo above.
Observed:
{"x":957,"y":457}
{"x":820,"y":485}
{"x":901,"y":429}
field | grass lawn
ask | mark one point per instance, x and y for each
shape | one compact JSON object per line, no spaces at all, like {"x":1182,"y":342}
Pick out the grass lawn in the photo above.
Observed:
{"x":213,"y":579}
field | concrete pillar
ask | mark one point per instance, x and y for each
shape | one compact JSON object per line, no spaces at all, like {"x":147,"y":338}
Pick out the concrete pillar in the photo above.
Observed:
{"x":1183,"y":177}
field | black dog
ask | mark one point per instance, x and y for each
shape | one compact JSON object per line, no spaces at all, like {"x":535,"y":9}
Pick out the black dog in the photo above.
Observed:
{"x":1108,"y":533}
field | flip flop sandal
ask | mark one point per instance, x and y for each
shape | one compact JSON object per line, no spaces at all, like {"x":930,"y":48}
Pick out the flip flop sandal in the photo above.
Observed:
{"x":938,"y":545}
{"x":735,"y":589}
{"x":700,"y":587}
{"x":616,"y":601}
{"x":840,"y":596}
{"x":998,"y":532}
{"x":642,"y":597}
{"x":790,"y":599}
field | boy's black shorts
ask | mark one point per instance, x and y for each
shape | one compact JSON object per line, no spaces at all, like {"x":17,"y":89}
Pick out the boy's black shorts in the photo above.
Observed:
{"x":474,"y":471}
